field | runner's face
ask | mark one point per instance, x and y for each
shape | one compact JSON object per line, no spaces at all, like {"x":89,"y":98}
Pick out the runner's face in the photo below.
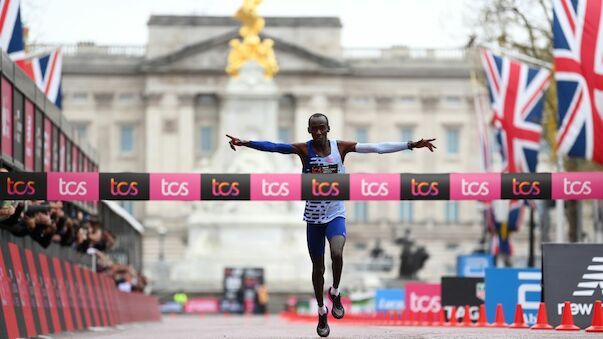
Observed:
{"x":319,"y":129}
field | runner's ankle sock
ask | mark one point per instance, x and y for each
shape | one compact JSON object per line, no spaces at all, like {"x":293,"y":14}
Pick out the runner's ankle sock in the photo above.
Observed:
{"x":334,"y":291}
{"x":322,"y":310}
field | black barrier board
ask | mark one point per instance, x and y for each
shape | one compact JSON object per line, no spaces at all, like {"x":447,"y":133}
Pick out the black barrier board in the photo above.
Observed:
{"x":461,"y":291}
{"x":21,"y":282}
{"x":82,"y":297}
{"x":36,"y":287}
{"x":232,"y":298}
{"x":14,"y":288}
{"x":10,"y":328}
{"x":108,"y":293}
{"x":225,"y":186}
{"x":91,"y":297}
{"x":62,"y":291}
{"x":124,"y":186}
{"x":99,"y":299}
{"x":31,"y":284}
{"x":18,"y":120}
{"x":104,"y":298}
{"x":526,"y":186}
{"x":424,"y":186}
{"x":38,"y":141}
{"x":54,"y":309}
{"x":72,"y":295}
{"x":325,"y":187}
{"x":57,"y":283}
{"x":572,"y":272}
{"x":48,"y":304}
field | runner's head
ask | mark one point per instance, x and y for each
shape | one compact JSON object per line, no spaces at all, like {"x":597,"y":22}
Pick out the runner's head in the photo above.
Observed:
{"x":318,"y":126}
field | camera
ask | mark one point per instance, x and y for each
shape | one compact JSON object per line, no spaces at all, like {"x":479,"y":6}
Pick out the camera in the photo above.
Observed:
{"x":31,"y":210}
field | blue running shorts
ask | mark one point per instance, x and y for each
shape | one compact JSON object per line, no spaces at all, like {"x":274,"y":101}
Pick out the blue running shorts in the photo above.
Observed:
{"x":316,"y":234}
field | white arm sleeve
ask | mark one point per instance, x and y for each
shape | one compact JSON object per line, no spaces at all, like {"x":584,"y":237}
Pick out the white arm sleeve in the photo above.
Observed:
{"x":384,"y":147}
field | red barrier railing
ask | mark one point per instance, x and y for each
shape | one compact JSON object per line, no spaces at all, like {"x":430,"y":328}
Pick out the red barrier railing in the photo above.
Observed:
{"x":42,"y":293}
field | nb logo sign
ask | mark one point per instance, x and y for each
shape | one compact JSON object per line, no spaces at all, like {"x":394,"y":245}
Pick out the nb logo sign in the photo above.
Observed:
{"x":124,"y":188}
{"x":576,"y":187}
{"x":72,"y":187}
{"x":224,"y":188}
{"x":173,"y":188}
{"x":18,"y":187}
{"x":373,"y":189}
{"x":424,"y":188}
{"x":592,"y":280}
{"x":526,"y":188}
{"x":275,"y":189}
{"x":474,"y":188}
{"x":325,"y":189}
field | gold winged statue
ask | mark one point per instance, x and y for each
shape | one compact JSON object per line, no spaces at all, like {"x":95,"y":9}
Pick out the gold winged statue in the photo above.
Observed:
{"x":252,"y":47}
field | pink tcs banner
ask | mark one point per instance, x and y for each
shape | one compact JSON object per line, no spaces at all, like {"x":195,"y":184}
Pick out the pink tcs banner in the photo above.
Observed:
{"x":423,"y":297}
{"x":7,"y":117}
{"x":475,"y":186}
{"x":275,"y":187}
{"x":175,"y":186}
{"x":577,"y":185}
{"x":375,"y":186}
{"x":72,"y":186}
{"x":202,"y":305}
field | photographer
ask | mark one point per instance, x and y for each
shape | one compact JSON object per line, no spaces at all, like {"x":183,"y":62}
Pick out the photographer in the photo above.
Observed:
{"x":40,"y":225}
{"x":65,"y":234}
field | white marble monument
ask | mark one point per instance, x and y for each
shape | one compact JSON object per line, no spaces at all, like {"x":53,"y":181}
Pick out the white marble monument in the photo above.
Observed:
{"x":271,"y":235}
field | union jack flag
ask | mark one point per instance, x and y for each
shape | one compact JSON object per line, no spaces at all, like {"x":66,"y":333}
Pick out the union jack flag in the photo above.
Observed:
{"x":517,"y":98}
{"x":45,"y":70}
{"x":578,"y":43}
{"x":11,"y":29}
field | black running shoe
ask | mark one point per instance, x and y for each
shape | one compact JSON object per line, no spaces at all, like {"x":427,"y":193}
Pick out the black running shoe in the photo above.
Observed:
{"x":323,"y":329}
{"x":338,"y":312}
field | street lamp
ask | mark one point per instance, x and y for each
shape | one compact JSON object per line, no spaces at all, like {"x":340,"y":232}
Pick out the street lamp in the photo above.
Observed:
{"x":162,"y":232}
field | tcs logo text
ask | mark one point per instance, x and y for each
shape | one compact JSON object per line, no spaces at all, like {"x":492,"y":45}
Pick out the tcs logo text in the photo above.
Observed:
{"x":124,"y":188}
{"x":424,"y":188}
{"x":225,"y":188}
{"x":19,"y":187}
{"x":325,"y":189}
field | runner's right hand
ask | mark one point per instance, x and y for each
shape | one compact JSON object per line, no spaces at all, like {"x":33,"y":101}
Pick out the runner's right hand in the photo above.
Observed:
{"x":235,"y":142}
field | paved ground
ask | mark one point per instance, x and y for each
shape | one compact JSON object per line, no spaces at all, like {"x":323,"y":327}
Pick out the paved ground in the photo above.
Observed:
{"x":189,"y":327}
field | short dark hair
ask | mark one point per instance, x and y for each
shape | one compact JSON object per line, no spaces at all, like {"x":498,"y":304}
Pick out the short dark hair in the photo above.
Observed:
{"x":316,"y":115}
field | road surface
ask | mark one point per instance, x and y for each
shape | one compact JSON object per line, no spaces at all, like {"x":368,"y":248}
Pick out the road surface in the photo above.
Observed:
{"x":193,"y":327}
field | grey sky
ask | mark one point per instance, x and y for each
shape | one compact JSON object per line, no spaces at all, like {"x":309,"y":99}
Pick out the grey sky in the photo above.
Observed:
{"x":374,"y":23}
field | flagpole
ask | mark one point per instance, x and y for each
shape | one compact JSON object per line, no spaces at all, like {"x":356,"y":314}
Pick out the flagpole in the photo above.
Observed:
{"x":483,"y":140}
{"x":559,"y":206}
{"x":598,"y":222}
{"x":532,"y":240}
{"x":519,"y":56}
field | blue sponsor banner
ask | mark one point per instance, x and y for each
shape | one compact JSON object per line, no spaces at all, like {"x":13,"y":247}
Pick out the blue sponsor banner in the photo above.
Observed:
{"x":391,"y":299}
{"x":511,"y":286}
{"x":473,"y":265}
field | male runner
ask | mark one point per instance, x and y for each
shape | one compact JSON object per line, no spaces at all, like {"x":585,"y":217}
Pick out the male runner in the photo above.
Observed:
{"x":326,"y":218}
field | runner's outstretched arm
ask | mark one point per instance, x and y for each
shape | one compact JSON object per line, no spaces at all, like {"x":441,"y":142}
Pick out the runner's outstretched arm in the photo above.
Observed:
{"x":385,"y":147}
{"x":265,"y":146}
